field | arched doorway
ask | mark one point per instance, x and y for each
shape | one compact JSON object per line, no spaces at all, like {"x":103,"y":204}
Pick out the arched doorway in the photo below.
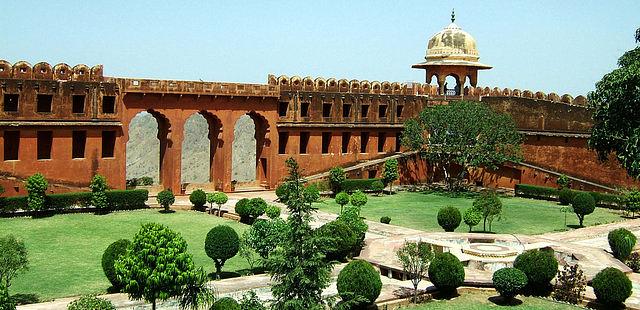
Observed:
{"x":248,"y":165}
{"x":143,"y":148}
{"x":452,"y":85}
{"x":201,"y":139}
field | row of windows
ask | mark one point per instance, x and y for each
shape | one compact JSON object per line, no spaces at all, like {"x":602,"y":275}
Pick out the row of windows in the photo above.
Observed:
{"x":283,"y":109}
{"x":45,"y":142}
{"x":44,"y":103}
{"x":283,"y":138}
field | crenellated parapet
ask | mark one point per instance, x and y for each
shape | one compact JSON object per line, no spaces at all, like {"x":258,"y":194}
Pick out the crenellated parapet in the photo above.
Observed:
{"x":23,"y":70}
{"x":539,"y":95}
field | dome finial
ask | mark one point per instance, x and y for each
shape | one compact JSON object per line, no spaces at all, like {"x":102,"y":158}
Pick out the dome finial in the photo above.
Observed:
{"x":453,"y":15}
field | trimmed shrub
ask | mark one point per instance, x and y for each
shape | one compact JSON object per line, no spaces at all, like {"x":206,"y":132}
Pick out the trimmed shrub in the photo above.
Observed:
{"x":127,"y":199}
{"x":621,"y":242}
{"x":258,"y":207}
{"x":36,"y":187}
{"x":243,"y":209}
{"x":536,"y":192}
{"x":336,"y":179}
{"x":539,"y":266}
{"x":311,"y":193}
{"x":272,"y":212}
{"x":91,"y":302}
{"x":342,"y":198}
{"x":166,"y":199}
{"x":565,"y":196}
{"x":341,"y":240}
{"x":198,"y":199}
{"x":611,"y":286}
{"x":109,"y":257}
{"x":359,"y":280}
{"x":226,"y":303}
{"x":351,"y":217}
{"x":385,"y":220}
{"x":446,"y":272}
{"x":358,"y":199}
{"x":509,"y":282}
{"x":352,"y":185}
{"x":282,"y":191}
{"x":12,"y":204}
{"x":583,"y":204}
{"x":377,"y":187}
{"x":218,"y":198}
{"x":472,"y":217}
{"x":67,"y":200}
{"x":449,"y":218}
{"x":222,"y":243}
{"x":98,"y":188}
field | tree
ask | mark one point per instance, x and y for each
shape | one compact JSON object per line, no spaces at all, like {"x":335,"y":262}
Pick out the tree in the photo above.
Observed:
{"x":336,"y":178}
{"x":36,"y":188}
{"x":13,"y":259}
{"x":583,"y":204}
{"x":632,"y":202}
{"x":415,"y":258}
{"x":298,"y":269}
{"x":247,"y":252}
{"x":342,"y":198}
{"x":390,"y":172}
{"x":616,"y":117}
{"x":157,"y":265}
{"x":490,"y":206}
{"x":166,"y":199}
{"x":265,"y":235}
{"x":464,"y":134}
{"x":98,"y":188}
{"x":358,"y":199}
{"x":638,"y":35}
{"x":472,"y":217}
{"x":218,"y":198}
{"x":221,"y":244}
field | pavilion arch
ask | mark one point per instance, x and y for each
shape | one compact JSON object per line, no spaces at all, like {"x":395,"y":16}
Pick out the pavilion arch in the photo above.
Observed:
{"x":147,"y":145}
{"x":200,"y":142}
{"x":452,"y":85}
{"x":249,"y":166}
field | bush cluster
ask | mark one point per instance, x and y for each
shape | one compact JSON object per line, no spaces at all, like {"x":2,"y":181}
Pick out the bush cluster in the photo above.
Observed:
{"x":116,"y":200}
{"x":360,"y":281}
{"x":540,"y":267}
{"x":272,"y":212}
{"x":351,"y":217}
{"x":36,"y":187}
{"x":621,"y":242}
{"x":109,"y":257}
{"x":311,"y":193}
{"x":226,"y":303}
{"x":198,"y":199}
{"x":385,"y":220}
{"x":570,"y":284}
{"x":446,"y":272}
{"x":143,"y":181}
{"x":282,"y":191}
{"x":633,"y":261}
{"x":603,"y":200}
{"x":265,"y":235}
{"x":449,"y":218}
{"x":509,"y":282}
{"x":611,"y":286}
{"x":352,"y":185}
{"x":98,"y":188}
{"x":91,"y":302}
{"x":341,"y":240}
{"x":6,"y":303}
{"x":377,"y":187}
{"x":336,"y":179}
{"x":250,"y":209}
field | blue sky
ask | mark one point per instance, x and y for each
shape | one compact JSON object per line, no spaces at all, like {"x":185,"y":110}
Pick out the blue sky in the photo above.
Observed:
{"x":560,"y":46}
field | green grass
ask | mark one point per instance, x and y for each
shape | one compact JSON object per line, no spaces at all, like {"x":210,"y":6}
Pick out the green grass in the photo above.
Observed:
{"x":479,"y":300}
{"x":520,"y":215}
{"x":65,"y":251}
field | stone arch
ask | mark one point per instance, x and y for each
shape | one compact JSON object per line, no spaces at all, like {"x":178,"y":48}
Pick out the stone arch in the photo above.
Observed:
{"x":307,"y":83}
{"x":296,"y":83}
{"x":375,"y":86}
{"x":146,"y":147}
{"x":527,"y":94}
{"x":22,"y":70}
{"x":354,"y":85}
{"x":320,"y":83}
{"x":250,"y":137}
{"x":42,"y":71}
{"x":62,"y":71}
{"x":283,"y":80}
{"x":365,"y":86}
{"x":81,"y":73}
{"x":516,"y":93}
{"x":451,"y":85}
{"x":553,"y":97}
{"x":506,"y":92}
{"x":343,"y":85}
{"x":199,"y":144}
{"x":5,"y":69}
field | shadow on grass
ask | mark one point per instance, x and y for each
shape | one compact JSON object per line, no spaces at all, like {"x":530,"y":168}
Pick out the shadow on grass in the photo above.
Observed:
{"x":574,"y":226}
{"x":445,"y":295}
{"x":43,"y":214}
{"x":501,"y":301}
{"x":167,"y":211}
{"x":25,"y":299}
{"x":224,"y":275}
{"x":112,"y":290}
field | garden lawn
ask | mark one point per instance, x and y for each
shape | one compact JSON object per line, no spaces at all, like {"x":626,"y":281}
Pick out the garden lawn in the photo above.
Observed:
{"x":65,"y":251}
{"x":479,"y":300}
{"x":520,"y":216}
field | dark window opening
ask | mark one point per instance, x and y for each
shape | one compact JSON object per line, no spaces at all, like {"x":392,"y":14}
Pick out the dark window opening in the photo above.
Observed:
{"x":11,"y":102}
{"x":326,"y":110}
{"x":399,"y":111}
{"x":44,"y":103}
{"x":382,"y":139}
{"x":78,"y":143}
{"x":283,"y":139}
{"x":282,"y":109}
{"x":382,"y":111}
{"x":304,"y":142}
{"x":364,"y":141}
{"x":372,"y":174}
{"x":304,"y":109}
{"x":346,"y":138}
{"x":365,"y":111}
{"x":398,"y":141}
{"x":108,"y":143}
{"x":346,"y":110}
{"x":45,"y":142}
{"x":109,"y":104}
{"x":78,"y":104}
{"x":11,"y":145}
{"x":326,"y":142}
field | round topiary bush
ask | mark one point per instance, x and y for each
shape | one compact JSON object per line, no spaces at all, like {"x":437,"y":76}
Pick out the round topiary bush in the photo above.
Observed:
{"x":198,"y":199}
{"x":91,"y":302}
{"x":446,"y":272}
{"x":243,"y":209}
{"x":565,"y":196}
{"x":342,"y":198}
{"x":226,"y":303}
{"x":359,"y":279}
{"x":583,"y":204}
{"x":621,"y":242}
{"x":449,"y":218}
{"x":472,"y":217}
{"x":509,"y":282}
{"x":222,"y":243}
{"x":258,"y":207}
{"x":385,"y":220}
{"x":341,"y":239}
{"x":166,"y":198}
{"x":611,"y":286}
{"x":282,"y":191}
{"x":358,"y":199}
{"x":377,"y":187}
{"x":539,"y":266}
{"x":273,"y":212}
{"x":109,"y":257}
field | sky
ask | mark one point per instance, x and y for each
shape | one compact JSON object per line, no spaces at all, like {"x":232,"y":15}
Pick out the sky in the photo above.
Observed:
{"x":552,"y":46}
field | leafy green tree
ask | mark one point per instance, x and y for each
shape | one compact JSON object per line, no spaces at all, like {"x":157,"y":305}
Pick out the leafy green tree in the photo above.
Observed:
{"x":299,"y":272}
{"x":98,"y":188}
{"x":490,"y":206}
{"x":358,"y":199}
{"x":472,"y":217}
{"x":583,"y":204}
{"x":221,"y":244}
{"x":616,"y":117}
{"x":247,"y":252}
{"x":157,"y":265}
{"x":218,"y":198}
{"x":342,"y":198}
{"x":465,"y":134}
{"x":166,"y":199}
{"x":336,"y":178}
{"x":415,"y":258}
{"x":13,"y":259}
{"x":265,"y":235}
{"x":311,"y":193}
{"x":36,"y":188}
{"x":6,"y":302}
{"x":632,"y":202}
{"x":390,"y":172}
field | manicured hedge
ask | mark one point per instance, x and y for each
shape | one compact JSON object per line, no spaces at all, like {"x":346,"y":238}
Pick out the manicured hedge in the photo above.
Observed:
{"x":127,"y":199}
{"x":67,"y":200}
{"x":352,"y":185}
{"x":12,"y":204}
{"x":603,"y":200}
{"x":117,"y":199}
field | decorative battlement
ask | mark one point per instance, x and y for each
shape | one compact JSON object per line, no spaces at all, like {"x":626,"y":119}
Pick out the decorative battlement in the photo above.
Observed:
{"x":198,"y":88}
{"x":44,"y":71}
{"x":410,"y":89}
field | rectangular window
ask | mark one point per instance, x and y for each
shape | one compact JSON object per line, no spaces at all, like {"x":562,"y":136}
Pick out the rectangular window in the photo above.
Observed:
{"x":382,"y":139}
{"x":382,"y":111}
{"x":78,"y":104}
{"x":78,"y":143}
{"x":304,"y":142}
{"x":108,"y":104}
{"x":326,"y":142}
{"x":283,"y":139}
{"x":399,"y":111}
{"x":346,"y":110}
{"x":108,"y":143}
{"x":326,"y":109}
{"x":365,"y":111}
{"x":282,"y":108}
{"x":11,"y":102}
{"x":304,"y":109}
{"x":11,"y":145}
{"x":43,"y":104}
{"x":45,"y":142}
{"x":346,"y":138}
{"x":398,"y":141}
{"x":364,"y":141}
